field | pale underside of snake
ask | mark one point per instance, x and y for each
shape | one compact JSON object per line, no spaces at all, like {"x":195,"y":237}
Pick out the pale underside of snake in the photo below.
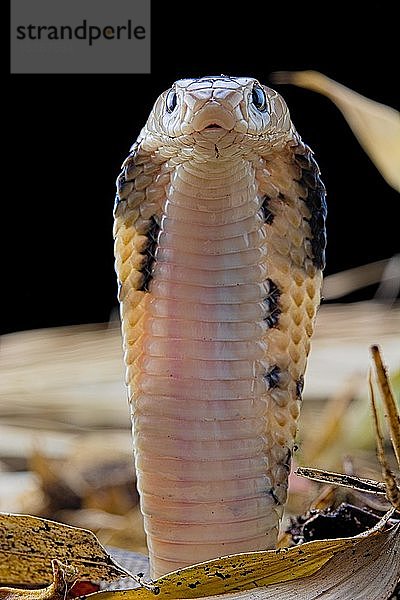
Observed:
{"x":219,"y":245}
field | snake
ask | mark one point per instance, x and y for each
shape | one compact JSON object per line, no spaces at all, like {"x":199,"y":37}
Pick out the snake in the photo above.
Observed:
{"x":219,"y":250}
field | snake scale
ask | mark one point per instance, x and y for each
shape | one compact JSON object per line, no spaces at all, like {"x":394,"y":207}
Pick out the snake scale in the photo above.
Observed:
{"x":219,"y":245}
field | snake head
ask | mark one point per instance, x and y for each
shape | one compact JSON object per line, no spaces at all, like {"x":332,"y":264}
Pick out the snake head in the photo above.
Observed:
{"x":200,"y":112}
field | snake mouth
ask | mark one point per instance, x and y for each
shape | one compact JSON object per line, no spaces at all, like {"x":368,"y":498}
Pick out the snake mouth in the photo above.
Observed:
{"x":213,"y":116}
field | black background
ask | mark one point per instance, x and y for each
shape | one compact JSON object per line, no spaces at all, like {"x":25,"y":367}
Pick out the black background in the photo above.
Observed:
{"x":70,"y":133}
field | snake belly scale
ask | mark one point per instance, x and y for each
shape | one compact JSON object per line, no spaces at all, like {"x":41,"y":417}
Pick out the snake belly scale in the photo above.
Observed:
{"x":219,"y":246}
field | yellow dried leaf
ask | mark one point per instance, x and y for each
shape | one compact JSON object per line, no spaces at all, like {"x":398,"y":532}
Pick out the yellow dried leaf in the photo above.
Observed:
{"x":28,"y":545}
{"x":376,"y":126}
{"x":360,"y":567}
{"x":64,"y":577}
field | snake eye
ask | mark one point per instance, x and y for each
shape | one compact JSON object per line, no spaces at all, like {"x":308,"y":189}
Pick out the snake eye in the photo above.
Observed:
{"x":171,"y":101}
{"x":259,"y":98}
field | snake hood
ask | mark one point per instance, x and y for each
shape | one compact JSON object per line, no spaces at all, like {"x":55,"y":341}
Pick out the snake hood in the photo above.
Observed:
{"x":221,"y":116}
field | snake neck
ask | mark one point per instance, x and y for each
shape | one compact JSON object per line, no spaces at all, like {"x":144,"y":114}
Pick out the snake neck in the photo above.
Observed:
{"x":212,"y":194}
{"x":200,"y":392}
{"x":210,"y":257}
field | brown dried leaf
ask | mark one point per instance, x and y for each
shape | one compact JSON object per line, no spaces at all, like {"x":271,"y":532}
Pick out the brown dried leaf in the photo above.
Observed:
{"x":351,"y":481}
{"x":392,"y":412}
{"x":29,"y":544}
{"x":392,"y":490}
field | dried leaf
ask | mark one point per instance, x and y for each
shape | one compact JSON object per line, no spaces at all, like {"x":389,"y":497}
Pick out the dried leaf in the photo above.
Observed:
{"x":392,"y":490}
{"x":334,"y":570}
{"x":64,"y":577}
{"x":392,"y":411}
{"x":351,"y":481}
{"x":376,"y":126}
{"x":28,"y":545}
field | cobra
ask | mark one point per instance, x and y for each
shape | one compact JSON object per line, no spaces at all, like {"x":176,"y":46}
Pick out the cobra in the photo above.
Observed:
{"x":219,"y":246}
